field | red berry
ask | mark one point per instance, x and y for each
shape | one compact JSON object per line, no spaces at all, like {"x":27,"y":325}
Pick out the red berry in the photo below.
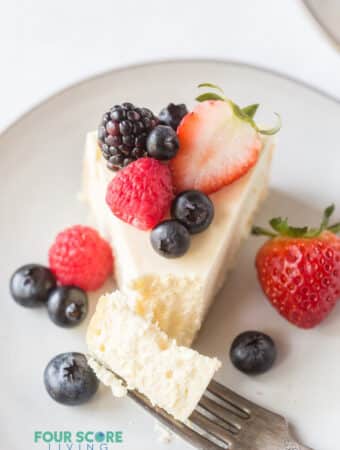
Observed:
{"x":301,"y":276}
{"x":80,"y":257}
{"x":215,"y":148}
{"x":141,"y":193}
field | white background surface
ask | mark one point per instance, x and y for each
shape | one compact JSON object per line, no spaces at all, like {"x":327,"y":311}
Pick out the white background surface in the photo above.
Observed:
{"x":46,"y":45}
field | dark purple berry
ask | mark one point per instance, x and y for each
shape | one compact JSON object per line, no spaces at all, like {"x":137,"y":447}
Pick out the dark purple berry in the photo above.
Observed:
{"x":253,"y":352}
{"x":30,"y":285}
{"x":123,"y":130}
{"x":170,"y":239}
{"x":162,"y":143}
{"x":193,"y":209}
{"x":67,"y":306}
{"x":69,"y":379}
{"x":172,"y":115}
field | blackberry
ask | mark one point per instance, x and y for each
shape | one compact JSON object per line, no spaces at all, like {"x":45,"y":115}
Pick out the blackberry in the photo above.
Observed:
{"x":122,"y":134}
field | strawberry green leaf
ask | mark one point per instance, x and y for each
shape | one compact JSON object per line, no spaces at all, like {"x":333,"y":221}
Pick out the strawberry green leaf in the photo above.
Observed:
{"x":334,"y":228}
{"x":209,"y":96}
{"x":241,"y":114}
{"x":246,"y":114}
{"x":313,"y":232}
{"x":284,"y":229}
{"x":258,"y":231}
{"x":211,"y":85}
{"x":273,"y":130}
{"x":250,"y":110}
{"x":326,"y":216}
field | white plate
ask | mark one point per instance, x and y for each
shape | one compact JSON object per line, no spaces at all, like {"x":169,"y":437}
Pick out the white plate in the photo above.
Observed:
{"x":40,"y":173}
{"x":327,"y":14}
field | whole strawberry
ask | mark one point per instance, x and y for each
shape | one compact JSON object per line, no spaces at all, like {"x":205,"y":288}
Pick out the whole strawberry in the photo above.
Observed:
{"x":299,"y":269}
{"x":80,"y":257}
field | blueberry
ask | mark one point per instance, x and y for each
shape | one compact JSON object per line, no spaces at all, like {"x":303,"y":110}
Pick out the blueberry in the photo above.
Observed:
{"x":31,"y":284}
{"x":162,"y":143}
{"x":67,"y":306}
{"x":253,"y":352}
{"x":193,"y":209}
{"x":173,"y":114}
{"x":69,"y":379}
{"x":170,"y":239}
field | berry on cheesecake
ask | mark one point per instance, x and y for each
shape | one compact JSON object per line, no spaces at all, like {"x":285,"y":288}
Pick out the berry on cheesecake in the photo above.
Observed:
{"x":31,"y":284}
{"x":141,"y":193}
{"x":122,"y":134}
{"x":172,"y":115}
{"x":219,"y":143}
{"x":299,"y":269}
{"x":193,"y":209}
{"x":80,"y":257}
{"x":170,"y":239}
{"x":162,"y":143}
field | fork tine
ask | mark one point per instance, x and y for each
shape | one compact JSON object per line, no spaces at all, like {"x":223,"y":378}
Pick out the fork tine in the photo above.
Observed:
{"x":212,"y":428}
{"x":227,"y":416}
{"x":191,"y":436}
{"x":242,"y":405}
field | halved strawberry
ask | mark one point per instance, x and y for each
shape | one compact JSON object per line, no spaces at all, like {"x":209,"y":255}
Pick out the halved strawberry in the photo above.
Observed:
{"x":216,"y":148}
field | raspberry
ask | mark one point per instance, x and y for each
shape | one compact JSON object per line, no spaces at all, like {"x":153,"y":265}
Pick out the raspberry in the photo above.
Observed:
{"x":80,"y":257}
{"x":141,"y":193}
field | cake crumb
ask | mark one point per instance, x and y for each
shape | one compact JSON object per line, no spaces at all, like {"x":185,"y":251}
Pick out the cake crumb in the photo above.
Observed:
{"x":107,"y":378}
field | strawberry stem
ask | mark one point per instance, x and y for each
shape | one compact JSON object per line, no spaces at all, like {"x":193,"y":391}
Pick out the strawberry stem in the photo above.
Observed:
{"x":273,"y":130}
{"x":209,"y":96}
{"x":259,"y":231}
{"x":211,"y":85}
{"x":334,"y":228}
{"x":250,"y":110}
{"x":326,"y":216}
{"x":246,"y":114}
{"x":282,"y":228}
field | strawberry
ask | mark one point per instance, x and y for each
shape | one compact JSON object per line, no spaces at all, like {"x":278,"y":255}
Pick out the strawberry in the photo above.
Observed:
{"x":219,"y":143}
{"x":299,"y":269}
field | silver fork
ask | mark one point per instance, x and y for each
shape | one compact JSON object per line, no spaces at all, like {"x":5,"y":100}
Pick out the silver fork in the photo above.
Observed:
{"x":225,"y":420}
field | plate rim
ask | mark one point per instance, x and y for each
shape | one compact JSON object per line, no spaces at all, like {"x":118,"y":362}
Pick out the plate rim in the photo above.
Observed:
{"x":321,"y":24}
{"x":161,"y":61}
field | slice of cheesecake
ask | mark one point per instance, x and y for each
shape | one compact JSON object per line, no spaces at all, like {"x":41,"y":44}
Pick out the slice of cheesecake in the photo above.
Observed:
{"x":120,"y":341}
{"x":176,"y":293}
